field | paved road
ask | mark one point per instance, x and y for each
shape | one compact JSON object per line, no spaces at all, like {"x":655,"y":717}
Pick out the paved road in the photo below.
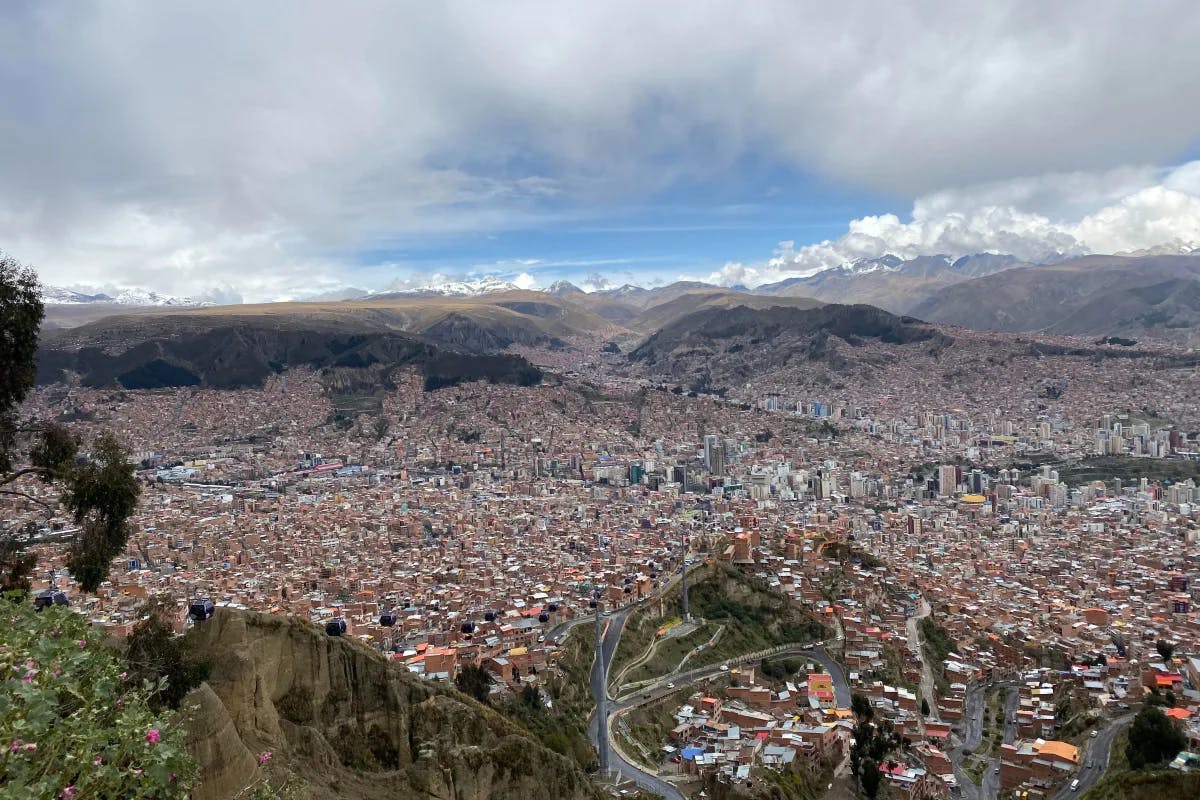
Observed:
{"x":646,"y":780}
{"x":913,"y":626}
{"x":611,"y":638}
{"x":1095,"y":751}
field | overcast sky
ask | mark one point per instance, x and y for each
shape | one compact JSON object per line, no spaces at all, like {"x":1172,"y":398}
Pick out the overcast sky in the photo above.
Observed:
{"x":279,"y":149}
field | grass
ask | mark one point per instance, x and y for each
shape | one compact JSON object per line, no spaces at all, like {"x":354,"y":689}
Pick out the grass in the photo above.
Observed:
{"x":754,"y":616}
{"x":642,"y":626}
{"x":1118,"y":760}
{"x":669,"y":653}
{"x":1161,"y":785}
{"x":937,"y":644}
{"x":563,"y":727}
{"x":651,"y":725}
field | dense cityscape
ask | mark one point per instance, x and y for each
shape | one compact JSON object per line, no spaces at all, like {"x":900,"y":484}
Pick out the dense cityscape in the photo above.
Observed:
{"x":474,"y":526}
{"x":600,"y":401}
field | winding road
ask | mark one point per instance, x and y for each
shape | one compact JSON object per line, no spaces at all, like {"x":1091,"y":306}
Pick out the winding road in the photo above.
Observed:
{"x":1095,"y":751}
{"x":611,"y":638}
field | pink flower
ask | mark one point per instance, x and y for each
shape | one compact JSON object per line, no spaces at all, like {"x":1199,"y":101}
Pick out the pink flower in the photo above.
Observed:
{"x":15,"y":746}
{"x":57,"y":672}
{"x":28,"y":677}
{"x":67,"y":793}
{"x":124,"y":675}
{"x":82,"y":644}
{"x":152,"y":736}
{"x":136,"y":771}
{"x":264,"y":757}
{"x":29,"y":748}
{"x":98,"y":761}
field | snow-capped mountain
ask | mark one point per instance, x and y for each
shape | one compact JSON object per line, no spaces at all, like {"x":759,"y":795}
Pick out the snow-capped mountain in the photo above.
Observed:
{"x":56,"y":295}
{"x":485,"y":285}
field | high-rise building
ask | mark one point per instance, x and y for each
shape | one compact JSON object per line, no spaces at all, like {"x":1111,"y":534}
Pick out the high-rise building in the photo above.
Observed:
{"x":947,"y":479}
{"x":711,"y":447}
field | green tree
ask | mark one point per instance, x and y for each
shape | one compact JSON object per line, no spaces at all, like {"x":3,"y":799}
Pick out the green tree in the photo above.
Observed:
{"x":72,"y":724}
{"x":42,"y":463}
{"x":1165,"y":649}
{"x":861,"y":706}
{"x":475,"y":681}
{"x":155,"y":654}
{"x":1153,"y":739}
{"x":871,"y":778}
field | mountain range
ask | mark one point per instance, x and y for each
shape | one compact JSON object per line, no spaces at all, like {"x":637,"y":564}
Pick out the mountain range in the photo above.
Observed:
{"x":1142,"y":294}
{"x":57,"y":295}
{"x":688,"y":333}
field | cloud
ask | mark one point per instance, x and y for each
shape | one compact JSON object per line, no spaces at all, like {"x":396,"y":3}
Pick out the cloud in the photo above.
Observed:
{"x":595,"y":282}
{"x":181,"y":148}
{"x":1160,"y":210}
{"x":525,"y":281}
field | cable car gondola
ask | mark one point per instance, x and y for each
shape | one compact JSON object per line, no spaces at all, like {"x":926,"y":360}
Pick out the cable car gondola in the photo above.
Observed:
{"x":387,"y":619}
{"x":336,"y":627}
{"x":50,"y":597}
{"x":200,"y":609}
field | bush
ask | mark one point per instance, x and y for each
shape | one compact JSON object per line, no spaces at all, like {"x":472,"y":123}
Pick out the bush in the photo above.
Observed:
{"x":72,"y":724}
{"x":1153,"y":739}
{"x":154,"y":652}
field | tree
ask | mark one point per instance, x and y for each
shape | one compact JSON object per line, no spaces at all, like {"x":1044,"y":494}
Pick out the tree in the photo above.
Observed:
{"x":154,"y":653}
{"x":475,"y":681}
{"x":1153,"y":739}
{"x":861,"y":706}
{"x":96,"y":487}
{"x":871,"y":778}
{"x":1165,"y":649}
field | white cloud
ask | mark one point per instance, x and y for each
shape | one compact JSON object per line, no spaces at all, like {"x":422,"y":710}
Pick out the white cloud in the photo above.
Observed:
{"x":1160,"y":210}
{"x":525,"y":281}
{"x":255,"y":145}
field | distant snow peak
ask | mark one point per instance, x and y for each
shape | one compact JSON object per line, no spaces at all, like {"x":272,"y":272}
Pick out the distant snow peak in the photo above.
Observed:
{"x":484,"y":285}
{"x":57,"y":295}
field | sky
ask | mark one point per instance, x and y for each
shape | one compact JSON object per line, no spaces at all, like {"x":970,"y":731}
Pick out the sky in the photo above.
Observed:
{"x":236,"y":151}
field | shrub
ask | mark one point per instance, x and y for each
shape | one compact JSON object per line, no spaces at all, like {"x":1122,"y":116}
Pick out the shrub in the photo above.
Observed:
{"x":72,"y":724}
{"x":153,"y":652}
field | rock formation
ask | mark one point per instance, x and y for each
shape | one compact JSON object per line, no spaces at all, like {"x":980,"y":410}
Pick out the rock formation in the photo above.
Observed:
{"x":350,"y":724}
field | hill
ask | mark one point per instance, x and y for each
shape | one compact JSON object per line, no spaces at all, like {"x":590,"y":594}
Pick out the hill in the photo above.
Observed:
{"x":662,"y":314}
{"x":228,"y":351}
{"x":1093,"y":295}
{"x":718,"y":347}
{"x":890,"y":283}
{"x":351,"y":726}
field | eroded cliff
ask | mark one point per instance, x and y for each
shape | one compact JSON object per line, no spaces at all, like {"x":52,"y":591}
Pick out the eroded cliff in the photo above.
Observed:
{"x":350,"y":725}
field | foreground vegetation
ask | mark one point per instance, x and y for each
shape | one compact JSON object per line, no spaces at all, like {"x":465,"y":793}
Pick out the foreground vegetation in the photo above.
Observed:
{"x":73,"y":723}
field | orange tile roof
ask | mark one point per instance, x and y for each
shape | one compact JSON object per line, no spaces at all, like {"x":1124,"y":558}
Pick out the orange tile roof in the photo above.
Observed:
{"x":1063,"y":750}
